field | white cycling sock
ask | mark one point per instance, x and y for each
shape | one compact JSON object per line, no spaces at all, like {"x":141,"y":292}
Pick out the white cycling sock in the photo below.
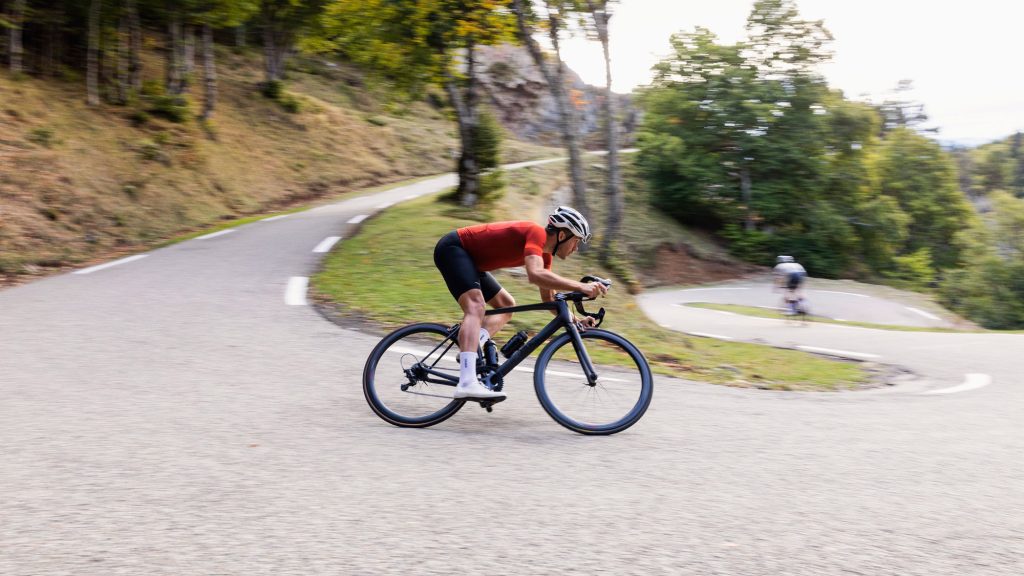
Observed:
{"x":467,"y":367}
{"x":484,"y":336}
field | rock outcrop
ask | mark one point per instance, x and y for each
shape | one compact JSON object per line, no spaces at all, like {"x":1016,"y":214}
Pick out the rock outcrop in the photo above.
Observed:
{"x":519,"y":95}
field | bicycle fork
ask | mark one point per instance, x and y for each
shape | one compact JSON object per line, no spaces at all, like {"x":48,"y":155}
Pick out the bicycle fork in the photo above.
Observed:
{"x":581,"y":353}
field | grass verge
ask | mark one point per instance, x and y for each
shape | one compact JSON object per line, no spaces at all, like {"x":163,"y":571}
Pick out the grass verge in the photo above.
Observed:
{"x":763,"y":313}
{"x":386,"y":275}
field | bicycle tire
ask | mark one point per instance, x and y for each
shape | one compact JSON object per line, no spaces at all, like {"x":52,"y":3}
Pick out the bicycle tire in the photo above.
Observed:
{"x":417,"y":338}
{"x":642,"y":380}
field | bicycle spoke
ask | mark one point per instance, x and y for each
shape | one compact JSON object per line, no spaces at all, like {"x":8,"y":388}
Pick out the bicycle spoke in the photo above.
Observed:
{"x":409,"y":353}
{"x":616,"y":395}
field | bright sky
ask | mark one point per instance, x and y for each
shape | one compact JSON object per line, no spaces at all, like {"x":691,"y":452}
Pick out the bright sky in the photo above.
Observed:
{"x":965,"y":58}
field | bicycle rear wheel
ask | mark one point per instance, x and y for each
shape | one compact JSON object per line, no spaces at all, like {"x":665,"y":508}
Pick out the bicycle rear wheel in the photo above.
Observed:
{"x":615,"y":402}
{"x":396,"y":384}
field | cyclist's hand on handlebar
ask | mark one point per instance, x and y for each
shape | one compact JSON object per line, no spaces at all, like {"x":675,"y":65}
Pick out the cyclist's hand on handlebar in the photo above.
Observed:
{"x":593,"y":289}
{"x":585,"y":322}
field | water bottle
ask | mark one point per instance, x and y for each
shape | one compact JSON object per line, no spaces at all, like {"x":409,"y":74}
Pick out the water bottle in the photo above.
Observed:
{"x":514,"y":343}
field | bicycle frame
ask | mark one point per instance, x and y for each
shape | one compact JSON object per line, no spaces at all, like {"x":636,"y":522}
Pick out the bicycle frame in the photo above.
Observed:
{"x":563,"y":319}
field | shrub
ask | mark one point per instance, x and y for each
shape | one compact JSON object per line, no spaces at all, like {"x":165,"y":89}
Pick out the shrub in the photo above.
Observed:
{"x":487,"y":141}
{"x":290,"y":103}
{"x":272,"y":89}
{"x":752,"y":246}
{"x":492,"y":185}
{"x":170,"y":107}
{"x":138,"y":118}
{"x":41,"y":136}
{"x":913,"y":270}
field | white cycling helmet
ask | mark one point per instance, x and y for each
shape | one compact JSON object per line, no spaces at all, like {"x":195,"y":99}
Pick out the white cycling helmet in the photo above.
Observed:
{"x":784,"y":259}
{"x":571,"y":220}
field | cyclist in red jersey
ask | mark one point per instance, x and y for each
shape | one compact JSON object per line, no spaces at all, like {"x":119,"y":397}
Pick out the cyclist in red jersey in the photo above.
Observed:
{"x":466,"y":257}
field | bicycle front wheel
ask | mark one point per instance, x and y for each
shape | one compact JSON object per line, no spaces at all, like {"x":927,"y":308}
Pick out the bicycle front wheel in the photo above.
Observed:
{"x":615,"y":402}
{"x":397,"y":379}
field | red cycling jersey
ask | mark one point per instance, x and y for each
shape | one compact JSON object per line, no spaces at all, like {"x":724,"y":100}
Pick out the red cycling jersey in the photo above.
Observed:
{"x":504,"y":244}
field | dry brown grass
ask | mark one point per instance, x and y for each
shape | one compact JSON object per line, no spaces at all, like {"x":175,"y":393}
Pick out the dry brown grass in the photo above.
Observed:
{"x":79,"y":183}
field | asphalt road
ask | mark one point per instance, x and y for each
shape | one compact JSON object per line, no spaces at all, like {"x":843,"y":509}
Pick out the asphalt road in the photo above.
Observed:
{"x":185,"y":413}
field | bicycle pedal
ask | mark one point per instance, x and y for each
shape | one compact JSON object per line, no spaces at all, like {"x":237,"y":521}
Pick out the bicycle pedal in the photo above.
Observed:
{"x":486,"y":402}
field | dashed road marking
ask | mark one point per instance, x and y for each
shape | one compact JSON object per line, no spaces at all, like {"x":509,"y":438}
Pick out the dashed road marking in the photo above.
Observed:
{"x":326,"y":244}
{"x":835,"y":352}
{"x":357,"y":219}
{"x":99,"y":267}
{"x":215,"y":234}
{"x":295,"y":293}
{"x":971,"y":382}
{"x":706,"y":335}
{"x":923,"y":313}
{"x":846,"y":293}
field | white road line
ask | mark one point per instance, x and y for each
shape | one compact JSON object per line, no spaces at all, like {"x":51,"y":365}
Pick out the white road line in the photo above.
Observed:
{"x":99,"y":267}
{"x":327,"y":244}
{"x":686,"y":305}
{"x":846,"y":293}
{"x":706,"y":335}
{"x":214,"y":234}
{"x":838,"y":352}
{"x":357,"y":219}
{"x":697,"y":289}
{"x":295,"y":293}
{"x":923,"y":313}
{"x":278,"y":217}
{"x":384,"y":205}
{"x":971,"y":382}
{"x":409,"y":197}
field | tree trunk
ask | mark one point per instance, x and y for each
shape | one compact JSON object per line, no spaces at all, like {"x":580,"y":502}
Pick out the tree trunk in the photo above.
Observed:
{"x":50,"y":62}
{"x":17,"y":23}
{"x":209,"y":73}
{"x":466,"y":113}
{"x":174,"y":85}
{"x":614,"y":185}
{"x":188,"y":50}
{"x":134,"y":47}
{"x":123,"y":51}
{"x":182,"y":57}
{"x":92,"y":59}
{"x":271,"y":71}
{"x":555,"y":77}
{"x":748,"y":220}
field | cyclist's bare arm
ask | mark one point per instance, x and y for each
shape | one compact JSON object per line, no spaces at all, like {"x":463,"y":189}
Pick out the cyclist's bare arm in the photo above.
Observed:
{"x":546,"y":279}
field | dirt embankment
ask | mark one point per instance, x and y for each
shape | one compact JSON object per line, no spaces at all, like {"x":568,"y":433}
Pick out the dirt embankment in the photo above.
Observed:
{"x":678,"y":264}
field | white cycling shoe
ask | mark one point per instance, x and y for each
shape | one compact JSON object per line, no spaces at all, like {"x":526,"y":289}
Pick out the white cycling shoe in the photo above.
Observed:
{"x":476,"y":391}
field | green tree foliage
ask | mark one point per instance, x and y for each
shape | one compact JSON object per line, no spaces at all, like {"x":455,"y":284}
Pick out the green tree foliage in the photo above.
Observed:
{"x":989,"y":288}
{"x":915,"y":172}
{"x":748,"y":140}
{"x":736,"y":138}
{"x":424,"y":41}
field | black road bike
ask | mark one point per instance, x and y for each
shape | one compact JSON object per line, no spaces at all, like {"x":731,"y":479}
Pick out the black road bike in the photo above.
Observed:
{"x":591,"y":381}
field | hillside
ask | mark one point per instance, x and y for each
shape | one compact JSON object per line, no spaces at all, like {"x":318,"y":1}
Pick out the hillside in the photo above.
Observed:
{"x":80,"y":183}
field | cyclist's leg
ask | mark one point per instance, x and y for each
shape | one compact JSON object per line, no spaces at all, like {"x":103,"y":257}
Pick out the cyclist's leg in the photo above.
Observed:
{"x":472,"y":303}
{"x":463,"y":280}
{"x":496,"y":297}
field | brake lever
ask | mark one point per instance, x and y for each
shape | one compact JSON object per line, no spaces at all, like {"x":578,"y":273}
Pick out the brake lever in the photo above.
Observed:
{"x":599,"y":316}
